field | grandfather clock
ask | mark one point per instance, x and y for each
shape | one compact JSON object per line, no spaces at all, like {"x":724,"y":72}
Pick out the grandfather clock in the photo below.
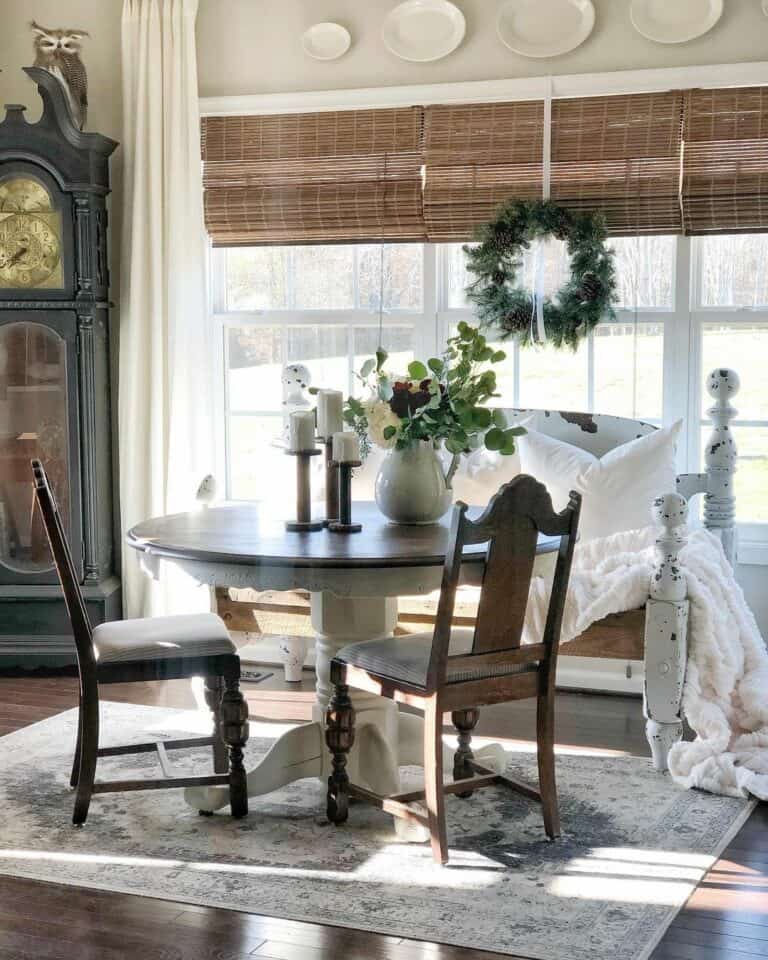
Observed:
{"x":54,"y":372}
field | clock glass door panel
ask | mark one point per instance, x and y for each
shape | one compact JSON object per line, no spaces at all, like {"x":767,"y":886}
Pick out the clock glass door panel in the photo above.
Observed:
{"x":33,"y":424}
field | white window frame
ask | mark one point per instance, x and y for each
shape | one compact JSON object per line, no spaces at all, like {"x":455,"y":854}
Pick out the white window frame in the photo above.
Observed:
{"x":753,"y":537}
{"x":449,"y":316}
{"x":423,"y":321}
{"x":683,"y":325}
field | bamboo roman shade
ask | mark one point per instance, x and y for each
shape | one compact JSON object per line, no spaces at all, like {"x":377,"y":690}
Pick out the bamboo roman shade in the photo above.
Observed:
{"x":725,"y":161}
{"x":318,"y":177}
{"x":691,"y":161}
{"x":620,"y":155}
{"x":476,"y":156}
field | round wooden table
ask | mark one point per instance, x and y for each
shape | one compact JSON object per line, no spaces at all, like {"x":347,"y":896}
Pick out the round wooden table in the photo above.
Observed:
{"x":354,"y":581}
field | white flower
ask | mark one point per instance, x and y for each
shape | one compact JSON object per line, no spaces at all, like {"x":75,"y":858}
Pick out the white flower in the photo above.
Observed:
{"x":380,"y":415}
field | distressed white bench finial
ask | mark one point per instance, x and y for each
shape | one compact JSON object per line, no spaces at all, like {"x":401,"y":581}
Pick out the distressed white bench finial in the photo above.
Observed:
{"x":666,"y":616}
{"x":720,"y":459}
{"x":666,"y":620}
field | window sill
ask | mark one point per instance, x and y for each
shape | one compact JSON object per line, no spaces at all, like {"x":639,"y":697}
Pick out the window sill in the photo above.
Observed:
{"x":752,"y":552}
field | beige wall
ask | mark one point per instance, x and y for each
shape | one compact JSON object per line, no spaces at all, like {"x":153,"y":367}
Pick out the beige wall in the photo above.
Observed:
{"x":253,"y":46}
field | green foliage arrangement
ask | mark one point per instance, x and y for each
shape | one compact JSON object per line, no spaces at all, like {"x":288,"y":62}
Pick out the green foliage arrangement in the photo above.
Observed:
{"x":442,"y":401}
{"x":583,"y":301}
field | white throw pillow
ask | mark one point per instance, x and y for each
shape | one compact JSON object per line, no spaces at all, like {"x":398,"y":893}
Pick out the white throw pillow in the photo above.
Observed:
{"x":617,"y":488}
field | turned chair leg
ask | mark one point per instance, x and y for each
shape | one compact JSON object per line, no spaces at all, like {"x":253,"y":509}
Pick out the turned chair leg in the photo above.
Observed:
{"x":78,"y":747}
{"x":339,"y":737}
{"x":234,"y":732}
{"x":545,"y":736}
{"x":214,"y":690}
{"x":89,"y":748}
{"x":434,"y":797}
{"x":465,"y":722}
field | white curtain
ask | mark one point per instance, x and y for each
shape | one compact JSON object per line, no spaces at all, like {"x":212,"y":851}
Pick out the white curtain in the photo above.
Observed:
{"x":165,"y":424}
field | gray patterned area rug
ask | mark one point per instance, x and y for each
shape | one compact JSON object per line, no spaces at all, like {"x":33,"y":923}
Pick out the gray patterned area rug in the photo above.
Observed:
{"x":634,"y":847}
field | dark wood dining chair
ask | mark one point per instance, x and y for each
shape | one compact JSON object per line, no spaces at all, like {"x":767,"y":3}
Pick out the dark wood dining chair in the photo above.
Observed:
{"x":155,"y":648}
{"x":458,"y":671}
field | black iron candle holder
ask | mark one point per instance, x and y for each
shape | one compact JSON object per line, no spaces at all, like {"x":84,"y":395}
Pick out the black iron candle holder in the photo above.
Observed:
{"x":303,"y":521}
{"x":331,"y":482}
{"x":344,"y":523}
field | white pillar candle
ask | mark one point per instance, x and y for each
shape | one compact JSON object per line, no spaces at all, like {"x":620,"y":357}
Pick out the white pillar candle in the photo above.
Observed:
{"x":301,"y":431}
{"x":329,"y":412}
{"x":346,"y":447}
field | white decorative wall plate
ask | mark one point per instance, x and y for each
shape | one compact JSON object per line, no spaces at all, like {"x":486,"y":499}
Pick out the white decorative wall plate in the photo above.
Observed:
{"x":675,"y":21}
{"x":423,"y":30}
{"x":545,"y":28}
{"x":326,"y":41}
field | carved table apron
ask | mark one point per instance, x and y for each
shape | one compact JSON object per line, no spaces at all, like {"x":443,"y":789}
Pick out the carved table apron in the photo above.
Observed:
{"x":354,"y":581}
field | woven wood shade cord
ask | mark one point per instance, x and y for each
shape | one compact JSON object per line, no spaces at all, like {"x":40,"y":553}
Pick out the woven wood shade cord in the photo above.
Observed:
{"x":313,"y":178}
{"x":725,"y":161}
{"x":477,"y":156}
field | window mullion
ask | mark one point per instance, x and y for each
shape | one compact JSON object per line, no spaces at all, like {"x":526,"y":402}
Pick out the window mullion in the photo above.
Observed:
{"x":677,"y":345}
{"x":217,"y":272}
{"x":351,"y":356}
{"x":429,"y":337}
{"x":291,"y":291}
{"x":355,"y":277}
{"x":215,"y":292}
{"x":223,"y":364}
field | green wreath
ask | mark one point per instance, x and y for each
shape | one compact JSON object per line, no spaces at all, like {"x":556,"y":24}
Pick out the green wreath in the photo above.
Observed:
{"x":580,"y":304}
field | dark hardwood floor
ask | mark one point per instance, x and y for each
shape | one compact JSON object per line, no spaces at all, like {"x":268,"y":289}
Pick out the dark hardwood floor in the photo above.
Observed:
{"x":725,"y":919}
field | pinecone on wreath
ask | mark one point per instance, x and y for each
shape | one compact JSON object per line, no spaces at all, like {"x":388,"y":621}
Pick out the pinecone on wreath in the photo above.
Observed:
{"x":590,"y":287}
{"x":562,"y":225}
{"x":517,"y":320}
{"x":503,"y":238}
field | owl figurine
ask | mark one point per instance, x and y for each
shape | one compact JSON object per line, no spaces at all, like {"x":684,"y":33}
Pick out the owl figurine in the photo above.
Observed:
{"x":296,"y":380}
{"x":58,"y":52}
{"x":206,"y":492}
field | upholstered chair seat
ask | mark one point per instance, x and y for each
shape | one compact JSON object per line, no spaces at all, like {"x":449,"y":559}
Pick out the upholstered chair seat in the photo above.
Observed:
{"x":145,"y":650}
{"x":406,"y":659}
{"x":457,"y":671}
{"x":161,"y":638}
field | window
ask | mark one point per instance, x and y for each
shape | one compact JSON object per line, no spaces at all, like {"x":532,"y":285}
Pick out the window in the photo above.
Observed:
{"x":684,"y":307}
{"x":317,"y":305}
{"x":620,"y":368}
{"x":734,"y":271}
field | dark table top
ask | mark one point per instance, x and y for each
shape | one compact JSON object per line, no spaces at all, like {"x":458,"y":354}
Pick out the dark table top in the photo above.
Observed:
{"x":254,"y":534}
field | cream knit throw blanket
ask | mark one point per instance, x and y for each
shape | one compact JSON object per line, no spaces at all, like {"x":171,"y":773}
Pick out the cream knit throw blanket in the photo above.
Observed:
{"x":725,"y":698}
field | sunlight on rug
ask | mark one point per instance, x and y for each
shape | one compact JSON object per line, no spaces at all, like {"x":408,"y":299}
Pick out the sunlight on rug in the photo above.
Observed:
{"x":633,"y":849}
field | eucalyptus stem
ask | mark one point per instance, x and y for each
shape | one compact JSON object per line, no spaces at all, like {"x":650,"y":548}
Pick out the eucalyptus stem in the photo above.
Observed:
{"x":455,"y":461}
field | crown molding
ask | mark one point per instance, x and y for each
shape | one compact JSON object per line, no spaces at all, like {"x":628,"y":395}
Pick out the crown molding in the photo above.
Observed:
{"x":491,"y":91}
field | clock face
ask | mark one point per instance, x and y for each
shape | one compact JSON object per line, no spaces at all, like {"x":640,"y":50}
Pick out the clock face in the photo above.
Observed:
{"x":23,"y":195}
{"x":30,"y":237}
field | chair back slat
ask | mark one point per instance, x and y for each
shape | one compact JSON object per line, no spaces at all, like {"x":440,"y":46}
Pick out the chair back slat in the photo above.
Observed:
{"x":510,"y":526}
{"x":506,"y":582}
{"x":62,"y":556}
